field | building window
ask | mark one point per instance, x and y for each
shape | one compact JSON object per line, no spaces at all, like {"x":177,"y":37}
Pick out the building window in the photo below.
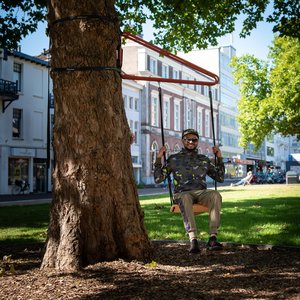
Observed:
{"x":206,"y":91}
{"x":166,"y":113}
{"x":175,"y":74}
{"x":165,"y":71}
{"x":188,"y":113}
{"x":202,"y":89}
{"x":135,"y":131}
{"x":51,"y":128}
{"x":135,"y":159}
{"x":154,"y":150}
{"x":17,"y":75}
{"x":199,"y":121}
{"x":125,"y":101}
{"x":17,"y":123}
{"x":154,"y":111}
{"x":177,"y":116}
{"x":131,"y":125}
{"x":131,"y":102}
{"x":136,"y":104}
{"x":216,"y":95}
{"x":18,"y":170}
{"x":270,"y":151}
{"x":207,"y":131}
{"x":153,"y":65}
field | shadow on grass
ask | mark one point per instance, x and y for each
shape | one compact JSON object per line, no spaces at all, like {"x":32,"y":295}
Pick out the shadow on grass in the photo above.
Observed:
{"x":32,"y":216}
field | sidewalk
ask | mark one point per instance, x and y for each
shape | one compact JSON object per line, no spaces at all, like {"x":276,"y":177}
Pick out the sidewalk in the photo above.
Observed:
{"x":29,"y":199}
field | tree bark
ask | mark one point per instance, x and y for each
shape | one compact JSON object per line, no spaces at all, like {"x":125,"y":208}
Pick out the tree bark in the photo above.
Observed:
{"x":95,"y":214}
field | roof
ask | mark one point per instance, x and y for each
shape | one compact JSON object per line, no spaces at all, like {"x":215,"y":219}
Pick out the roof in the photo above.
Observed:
{"x":29,"y":58}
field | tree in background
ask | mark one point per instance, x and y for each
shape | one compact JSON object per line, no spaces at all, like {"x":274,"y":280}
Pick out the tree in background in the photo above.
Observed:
{"x":285,"y":85}
{"x":270,"y":92}
{"x":95,"y":212}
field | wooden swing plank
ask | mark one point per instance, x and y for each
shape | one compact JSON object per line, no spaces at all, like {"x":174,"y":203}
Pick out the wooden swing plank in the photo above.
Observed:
{"x":197,"y":209}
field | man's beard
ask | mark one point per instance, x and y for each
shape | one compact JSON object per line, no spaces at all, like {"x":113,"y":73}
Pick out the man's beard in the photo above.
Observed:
{"x":190,"y":150}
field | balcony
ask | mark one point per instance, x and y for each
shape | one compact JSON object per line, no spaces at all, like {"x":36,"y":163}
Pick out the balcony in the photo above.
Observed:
{"x":8,"y":93}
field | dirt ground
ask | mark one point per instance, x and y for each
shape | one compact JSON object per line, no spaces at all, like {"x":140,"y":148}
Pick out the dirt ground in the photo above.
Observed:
{"x":236,"y":272}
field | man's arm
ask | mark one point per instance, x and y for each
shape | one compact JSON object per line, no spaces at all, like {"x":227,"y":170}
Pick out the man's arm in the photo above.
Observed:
{"x":160,"y":172}
{"x":217,"y":172}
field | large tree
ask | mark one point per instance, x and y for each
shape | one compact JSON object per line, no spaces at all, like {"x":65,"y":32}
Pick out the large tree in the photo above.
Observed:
{"x":270,"y":92}
{"x":95,"y":213}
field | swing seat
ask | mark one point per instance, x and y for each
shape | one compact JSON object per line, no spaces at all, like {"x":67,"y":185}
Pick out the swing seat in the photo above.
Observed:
{"x":197,"y":209}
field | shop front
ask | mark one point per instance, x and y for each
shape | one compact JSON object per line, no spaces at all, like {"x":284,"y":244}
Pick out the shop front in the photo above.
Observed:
{"x":23,"y":165}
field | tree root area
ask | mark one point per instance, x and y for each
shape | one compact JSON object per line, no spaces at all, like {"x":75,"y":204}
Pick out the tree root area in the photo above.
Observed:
{"x":235,"y":272}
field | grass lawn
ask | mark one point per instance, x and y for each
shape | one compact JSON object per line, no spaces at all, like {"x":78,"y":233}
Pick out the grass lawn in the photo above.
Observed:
{"x":260,"y":214}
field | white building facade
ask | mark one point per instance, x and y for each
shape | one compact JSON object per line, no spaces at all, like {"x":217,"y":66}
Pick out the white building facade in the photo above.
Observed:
{"x":24,"y":91}
{"x":27,"y":109}
{"x":132,"y":92}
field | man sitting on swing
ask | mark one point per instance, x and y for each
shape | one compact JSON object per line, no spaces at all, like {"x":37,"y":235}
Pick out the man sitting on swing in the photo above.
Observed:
{"x":189,"y":169}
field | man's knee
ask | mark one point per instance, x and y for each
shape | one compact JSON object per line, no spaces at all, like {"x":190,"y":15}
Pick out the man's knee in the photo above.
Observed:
{"x":216,"y":196}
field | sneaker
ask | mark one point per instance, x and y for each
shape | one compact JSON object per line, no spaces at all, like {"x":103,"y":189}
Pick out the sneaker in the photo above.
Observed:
{"x":213,"y":244}
{"x":194,"y":246}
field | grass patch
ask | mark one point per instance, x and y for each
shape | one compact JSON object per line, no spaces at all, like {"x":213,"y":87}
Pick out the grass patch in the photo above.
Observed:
{"x":24,"y":223}
{"x":260,"y":214}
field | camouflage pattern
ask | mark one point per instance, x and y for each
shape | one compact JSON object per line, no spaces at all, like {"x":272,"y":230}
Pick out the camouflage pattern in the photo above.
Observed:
{"x":189,"y":170}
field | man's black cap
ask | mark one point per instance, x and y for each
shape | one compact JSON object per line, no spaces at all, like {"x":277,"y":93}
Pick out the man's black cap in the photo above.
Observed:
{"x":189,"y":131}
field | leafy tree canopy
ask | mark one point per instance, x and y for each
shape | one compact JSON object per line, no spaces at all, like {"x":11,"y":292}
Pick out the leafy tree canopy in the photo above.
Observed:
{"x":270,"y":93}
{"x":19,"y":18}
{"x":179,"y":25}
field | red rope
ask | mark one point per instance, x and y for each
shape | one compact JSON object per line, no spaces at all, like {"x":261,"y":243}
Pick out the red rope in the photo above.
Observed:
{"x":174,"y":57}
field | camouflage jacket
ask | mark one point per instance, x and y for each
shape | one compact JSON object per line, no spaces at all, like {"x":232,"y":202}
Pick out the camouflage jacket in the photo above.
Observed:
{"x":189,"y":170}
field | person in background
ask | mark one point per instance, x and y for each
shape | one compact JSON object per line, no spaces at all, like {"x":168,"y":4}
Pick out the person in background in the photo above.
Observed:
{"x":244,"y":181}
{"x":189,"y":170}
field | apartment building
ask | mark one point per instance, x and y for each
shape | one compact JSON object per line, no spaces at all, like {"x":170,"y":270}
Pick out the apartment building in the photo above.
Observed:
{"x":24,"y":91}
{"x":183,"y":105}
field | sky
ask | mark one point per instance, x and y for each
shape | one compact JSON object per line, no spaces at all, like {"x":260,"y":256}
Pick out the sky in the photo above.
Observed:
{"x":256,"y":44}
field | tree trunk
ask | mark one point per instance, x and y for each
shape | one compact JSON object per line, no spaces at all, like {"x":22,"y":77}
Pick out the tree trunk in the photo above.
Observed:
{"x":95,"y":215}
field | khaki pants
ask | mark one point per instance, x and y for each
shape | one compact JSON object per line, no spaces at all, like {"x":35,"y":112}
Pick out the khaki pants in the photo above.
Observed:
{"x":210,"y":198}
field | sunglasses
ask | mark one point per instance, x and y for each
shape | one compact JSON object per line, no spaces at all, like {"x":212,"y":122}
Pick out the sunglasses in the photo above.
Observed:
{"x":190,"y":140}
